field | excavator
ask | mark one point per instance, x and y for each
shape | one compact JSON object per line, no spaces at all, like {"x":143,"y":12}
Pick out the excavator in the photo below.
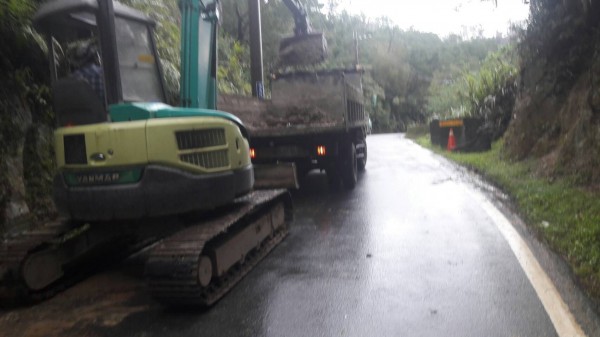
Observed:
{"x":132,"y":170}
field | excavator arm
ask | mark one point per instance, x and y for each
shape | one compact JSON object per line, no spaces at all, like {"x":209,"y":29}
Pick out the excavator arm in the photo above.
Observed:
{"x":199,"y":53}
{"x":300,"y":17}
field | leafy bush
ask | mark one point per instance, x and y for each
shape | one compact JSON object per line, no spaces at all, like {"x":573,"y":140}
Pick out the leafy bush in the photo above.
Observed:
{"x":490,"y":93}
{"x":496,"y":76}
{"x":233,"y":74}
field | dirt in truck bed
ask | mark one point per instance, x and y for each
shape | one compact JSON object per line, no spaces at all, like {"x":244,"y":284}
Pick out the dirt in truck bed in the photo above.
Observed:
{"x":307,"y":49}
{"x":261,"y":115}
{"x":303,"y":102}
{"x":294,"y":115}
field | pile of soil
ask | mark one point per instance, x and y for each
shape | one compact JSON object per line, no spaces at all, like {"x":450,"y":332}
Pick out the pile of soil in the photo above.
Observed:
{"x":296,"y":116}
{"x":303,"y":50}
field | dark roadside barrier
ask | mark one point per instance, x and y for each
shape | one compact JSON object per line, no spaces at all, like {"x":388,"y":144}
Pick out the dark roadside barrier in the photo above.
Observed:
{"x":468,"y":133}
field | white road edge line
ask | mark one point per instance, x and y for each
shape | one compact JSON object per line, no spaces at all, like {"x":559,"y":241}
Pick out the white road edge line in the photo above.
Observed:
{"x":559,"y":313}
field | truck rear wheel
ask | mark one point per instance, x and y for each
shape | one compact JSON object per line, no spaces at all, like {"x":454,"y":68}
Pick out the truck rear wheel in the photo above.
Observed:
{"x":349,"y":167}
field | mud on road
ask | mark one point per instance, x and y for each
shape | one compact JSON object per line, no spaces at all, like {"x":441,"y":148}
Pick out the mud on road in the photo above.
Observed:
{"x":87,"y":309}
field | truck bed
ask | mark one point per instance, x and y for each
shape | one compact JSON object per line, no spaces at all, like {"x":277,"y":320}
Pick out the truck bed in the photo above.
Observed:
{"x":261,"y":119}
{"x":303,"y":103}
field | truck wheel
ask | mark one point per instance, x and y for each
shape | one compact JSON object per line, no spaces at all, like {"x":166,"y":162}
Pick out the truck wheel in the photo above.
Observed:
{"x":362,"y":162}
{"x":349,"y":167}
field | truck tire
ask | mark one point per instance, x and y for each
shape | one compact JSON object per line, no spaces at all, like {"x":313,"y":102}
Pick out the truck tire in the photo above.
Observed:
{"x":349,"y":169}
{"x":362,"y":162}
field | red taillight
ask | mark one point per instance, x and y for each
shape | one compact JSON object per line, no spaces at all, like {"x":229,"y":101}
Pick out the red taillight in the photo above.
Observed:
{"x":252,"y":153}
{"x":321,"y":151}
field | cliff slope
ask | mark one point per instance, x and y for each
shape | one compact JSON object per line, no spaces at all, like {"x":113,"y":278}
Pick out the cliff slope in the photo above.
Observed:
{"x":557,"y":112}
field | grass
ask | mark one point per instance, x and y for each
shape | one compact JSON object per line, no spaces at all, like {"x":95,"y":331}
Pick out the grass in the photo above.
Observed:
{"x":565,"y":216}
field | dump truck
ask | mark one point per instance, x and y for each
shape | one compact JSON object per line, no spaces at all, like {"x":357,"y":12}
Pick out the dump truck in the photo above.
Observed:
{"x":314,"y":119}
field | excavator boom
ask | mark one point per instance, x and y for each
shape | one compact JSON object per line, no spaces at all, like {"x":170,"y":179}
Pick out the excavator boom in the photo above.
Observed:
{"x":199,"y":53}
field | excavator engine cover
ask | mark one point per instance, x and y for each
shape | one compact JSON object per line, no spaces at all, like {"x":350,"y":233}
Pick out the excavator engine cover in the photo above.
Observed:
{"x":303,"y":50}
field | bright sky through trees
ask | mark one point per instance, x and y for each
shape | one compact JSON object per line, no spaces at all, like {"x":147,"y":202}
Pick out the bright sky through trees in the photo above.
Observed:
{"x":444,"y":17}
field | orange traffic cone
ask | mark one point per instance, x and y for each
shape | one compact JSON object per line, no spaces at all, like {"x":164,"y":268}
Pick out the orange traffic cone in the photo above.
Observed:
{"x":451,"y":141}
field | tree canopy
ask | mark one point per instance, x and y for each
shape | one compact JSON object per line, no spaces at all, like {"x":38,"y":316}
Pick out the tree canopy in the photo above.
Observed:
{"x":412,"y":76}
{"x":409,"y":72}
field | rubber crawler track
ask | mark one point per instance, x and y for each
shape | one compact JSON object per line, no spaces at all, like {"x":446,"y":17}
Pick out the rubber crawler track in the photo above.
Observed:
{"x":170,"y":254}
{"x":172,"y":268}
{"x":14,"y":250}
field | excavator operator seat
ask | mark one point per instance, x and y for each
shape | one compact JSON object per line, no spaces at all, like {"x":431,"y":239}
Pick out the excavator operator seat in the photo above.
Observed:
{"x":76,"y":103}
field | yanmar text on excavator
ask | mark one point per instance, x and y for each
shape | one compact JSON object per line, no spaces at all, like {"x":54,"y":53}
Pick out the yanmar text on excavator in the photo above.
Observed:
{"x":133,"y":170}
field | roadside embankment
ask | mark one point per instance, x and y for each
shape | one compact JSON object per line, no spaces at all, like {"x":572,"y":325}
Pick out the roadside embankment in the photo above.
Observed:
{"x":564,"y":215}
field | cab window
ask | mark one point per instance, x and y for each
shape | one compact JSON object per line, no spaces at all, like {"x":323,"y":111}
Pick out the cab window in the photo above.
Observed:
{"x":138,"y":66}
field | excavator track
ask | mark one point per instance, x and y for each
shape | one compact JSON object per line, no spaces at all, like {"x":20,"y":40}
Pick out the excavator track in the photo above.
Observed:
{"x":198,"y":265}
{"x":37,"y":264}
{"x":14,"y":251}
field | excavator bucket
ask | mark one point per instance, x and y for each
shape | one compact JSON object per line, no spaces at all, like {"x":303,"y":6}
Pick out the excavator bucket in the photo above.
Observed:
{"x":279,"y":175}
{"x":306,"y":49}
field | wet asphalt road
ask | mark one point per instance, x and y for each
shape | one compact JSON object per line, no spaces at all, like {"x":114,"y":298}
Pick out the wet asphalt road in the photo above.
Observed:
{"x":407,"y":253}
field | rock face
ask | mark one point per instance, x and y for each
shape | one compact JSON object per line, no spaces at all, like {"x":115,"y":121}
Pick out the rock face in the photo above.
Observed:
{"x":26,"y":162}
{"x":557,"y":112}
{"x":25,"y":119}
{"x":14,"y":204}
{"x":564,"y":132}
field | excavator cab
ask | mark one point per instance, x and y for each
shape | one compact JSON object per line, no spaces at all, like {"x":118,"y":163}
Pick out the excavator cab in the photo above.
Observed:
{"x":126,"y":52}
{"x":126,"y":154}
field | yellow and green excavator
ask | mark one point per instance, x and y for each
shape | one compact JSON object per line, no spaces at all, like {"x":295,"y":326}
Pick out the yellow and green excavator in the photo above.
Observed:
{"x":133,"y":170}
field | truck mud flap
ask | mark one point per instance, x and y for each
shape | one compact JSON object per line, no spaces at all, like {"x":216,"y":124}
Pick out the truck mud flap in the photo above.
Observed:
{"x":279,"y":175}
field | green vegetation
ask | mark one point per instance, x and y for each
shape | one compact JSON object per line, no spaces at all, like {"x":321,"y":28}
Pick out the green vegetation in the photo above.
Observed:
{"x":496,"y":75}
{"x":234,"y":69}
{"x":559,"y":103}
{"x":490,"y":93}
{"x":412,"y":77}
{"x":409,"y":71}
{"x":564,"y":215}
